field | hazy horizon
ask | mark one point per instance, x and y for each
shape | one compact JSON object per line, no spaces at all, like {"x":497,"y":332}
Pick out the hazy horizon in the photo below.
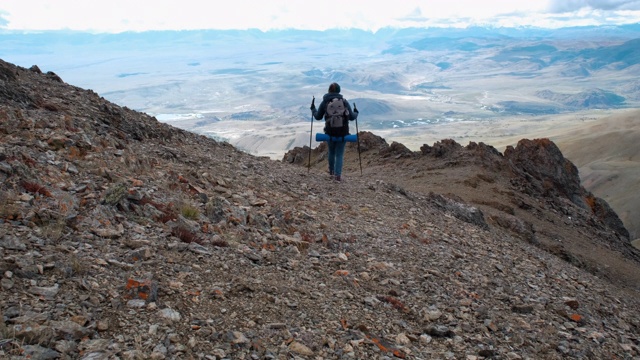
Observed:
{"x":122,"y":15}
{"x":253,"y":88}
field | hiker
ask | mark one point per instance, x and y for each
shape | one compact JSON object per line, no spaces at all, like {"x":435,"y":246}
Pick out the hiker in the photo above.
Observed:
{"x":337,"y":114}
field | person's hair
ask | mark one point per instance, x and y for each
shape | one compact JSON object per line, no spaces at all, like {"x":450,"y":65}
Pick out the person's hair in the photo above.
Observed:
{"x":334,"y":88}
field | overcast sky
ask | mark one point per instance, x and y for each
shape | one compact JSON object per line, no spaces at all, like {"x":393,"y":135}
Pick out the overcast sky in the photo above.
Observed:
{"x":140,"y":15}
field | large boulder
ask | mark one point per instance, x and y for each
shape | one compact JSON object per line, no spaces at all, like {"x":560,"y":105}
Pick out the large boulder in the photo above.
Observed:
{"x":542,"y":170}
{"x":541,"y":162}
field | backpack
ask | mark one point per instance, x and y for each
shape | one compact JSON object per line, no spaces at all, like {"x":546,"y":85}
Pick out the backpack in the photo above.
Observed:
{"x":336,"y":119}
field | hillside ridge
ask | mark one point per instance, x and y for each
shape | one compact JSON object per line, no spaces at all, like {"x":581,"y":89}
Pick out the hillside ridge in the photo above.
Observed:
{"x":123,"y":237}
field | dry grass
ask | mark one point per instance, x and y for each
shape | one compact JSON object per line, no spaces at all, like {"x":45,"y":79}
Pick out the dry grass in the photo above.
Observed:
{"x":168,"y":212}
{"x":190,"y":212}
{"x":35,"y":188}
{"x":220,"y":243}
{"x":66,"y":204}
{"x":185,"y":235}
{"x":54,"y":230}
{"x":4,"y":331}
{"x":76,"y":153}
{"x":166,"y":217}
{"x":77,"y":266}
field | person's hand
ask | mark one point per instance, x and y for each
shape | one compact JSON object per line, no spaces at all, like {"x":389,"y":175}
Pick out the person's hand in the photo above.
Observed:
{"x":313,"y":104}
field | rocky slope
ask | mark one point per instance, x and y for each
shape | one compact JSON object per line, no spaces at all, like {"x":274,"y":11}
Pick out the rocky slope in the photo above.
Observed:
{"x":124,"y":238}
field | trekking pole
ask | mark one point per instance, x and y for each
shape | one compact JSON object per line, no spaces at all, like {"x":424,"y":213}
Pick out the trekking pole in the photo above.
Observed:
{"x":311,"y":135}
{"x":358,"y":139}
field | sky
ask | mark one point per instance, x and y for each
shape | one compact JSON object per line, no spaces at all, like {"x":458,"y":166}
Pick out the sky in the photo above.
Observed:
{"x":141,"y":15}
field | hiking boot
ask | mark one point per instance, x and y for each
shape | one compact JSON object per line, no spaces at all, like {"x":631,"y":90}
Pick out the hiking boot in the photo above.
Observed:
{"x":338,"y":178}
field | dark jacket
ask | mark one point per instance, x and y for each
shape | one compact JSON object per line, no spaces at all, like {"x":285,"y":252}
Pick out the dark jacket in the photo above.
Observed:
{"x":321,"y":111}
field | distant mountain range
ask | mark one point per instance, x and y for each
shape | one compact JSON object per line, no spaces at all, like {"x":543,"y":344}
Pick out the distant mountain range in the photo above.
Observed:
{"x":400,"y":78}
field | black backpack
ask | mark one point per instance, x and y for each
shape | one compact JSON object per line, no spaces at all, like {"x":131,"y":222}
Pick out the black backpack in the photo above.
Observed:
{"x":337,"y":118}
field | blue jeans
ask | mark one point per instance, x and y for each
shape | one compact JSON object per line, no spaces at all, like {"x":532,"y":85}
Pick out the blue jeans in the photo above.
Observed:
{"x":336,"y":155}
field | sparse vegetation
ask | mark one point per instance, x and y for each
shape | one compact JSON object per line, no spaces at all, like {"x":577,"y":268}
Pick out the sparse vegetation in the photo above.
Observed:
{"x":28,"y":161}
{"x":35,"y":188}
{"x":4,"y":332}
{"x":190,"y":212}
{"x":77,"y":266}
{"x":53,"y":230}
{"x":115,"y":194}
{"x":185,"y":235}
{"x":168,"y":212}
{"x":74,"y":266}
{"x":167,"y":216}
{"x":49,"y":106}
{"x":77,"y":153}
{"x":66,"y":204}
{"x":219,"y":243}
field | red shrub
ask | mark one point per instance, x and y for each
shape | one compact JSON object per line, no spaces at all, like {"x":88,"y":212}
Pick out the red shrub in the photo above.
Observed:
{"x":35,"y":188}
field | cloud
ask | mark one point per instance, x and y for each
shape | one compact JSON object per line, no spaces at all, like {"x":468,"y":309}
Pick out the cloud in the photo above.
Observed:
{"x":559,"y":6}
{"x":141,"y":15}
{"x":415,"y":15}
{"x":3,"y":21}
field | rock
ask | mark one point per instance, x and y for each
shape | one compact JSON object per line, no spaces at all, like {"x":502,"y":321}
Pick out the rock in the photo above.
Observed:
{"x":48,"y":293}
{"x":102,"y":325}
{"x":253,"y":256}
{"x":97,"y":356}
{"x":159,"y":352}
{"x":396,"y":150}
{"x":432,"y":315}
{"x":403,"y":339}
{"x":572,"y":303}
{"x":439,"y":331}
{"x":487,"y":353}
{"x":12,"y":243}
{"x":109,"y":233}
{"x":300,"y":349}
{"x":6,"y":168}
{"x":169,"y":314}
{"x":6,"y":284}
{"x":441,"y":148}
{"x":550,"y":174}
{"x":522,"y":309}
{"x":198,"y":249}
{"x":38,"y":352}
{"x":66,"y":346}
{"x":69,"y":330}
{"x":33,"y":333}
{"x":236,"y":337}
{"x":136,"y":303}
{"x":461,"y":211}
